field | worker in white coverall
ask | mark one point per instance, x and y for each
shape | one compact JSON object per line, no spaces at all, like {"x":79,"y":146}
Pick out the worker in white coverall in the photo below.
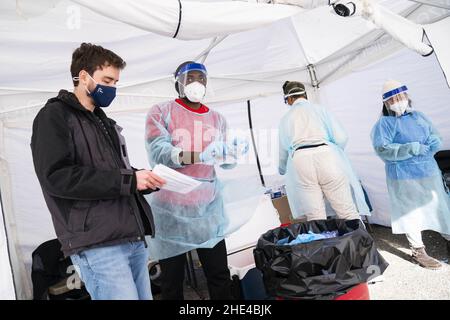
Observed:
{"x":312,"y":158}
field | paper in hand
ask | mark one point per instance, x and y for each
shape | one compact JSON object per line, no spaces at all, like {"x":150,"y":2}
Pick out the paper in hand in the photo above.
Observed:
{"x":175,"y":181}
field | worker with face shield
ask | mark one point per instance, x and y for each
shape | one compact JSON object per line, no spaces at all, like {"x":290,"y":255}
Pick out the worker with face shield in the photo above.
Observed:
{"x":185,"y":135}
{"x":396,"y":101}
{"x":406,"y":141}
{"x":311,"y":143}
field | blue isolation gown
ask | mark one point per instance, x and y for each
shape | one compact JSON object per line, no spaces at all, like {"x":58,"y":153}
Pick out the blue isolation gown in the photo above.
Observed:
{"x":419,"y":200}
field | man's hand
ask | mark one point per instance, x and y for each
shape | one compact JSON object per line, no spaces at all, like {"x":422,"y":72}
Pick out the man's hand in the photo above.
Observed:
{"x":146,"y":179}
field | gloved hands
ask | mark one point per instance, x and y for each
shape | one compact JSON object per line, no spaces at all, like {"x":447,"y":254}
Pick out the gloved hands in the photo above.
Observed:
{"x":423,"y":149}
{"x":219,"y":151}
{"x":434,"y":141}
{"x":214,"y":152}
{"x":237,"y":147}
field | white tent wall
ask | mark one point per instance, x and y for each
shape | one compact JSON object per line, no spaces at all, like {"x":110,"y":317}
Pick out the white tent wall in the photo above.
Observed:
{"x":7,"y":291}
{"x":438,"y":34}
{"x":24,"y":210}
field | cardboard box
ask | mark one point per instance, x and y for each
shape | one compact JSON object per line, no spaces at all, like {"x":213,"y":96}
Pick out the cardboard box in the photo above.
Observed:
{"x":284,"y":211}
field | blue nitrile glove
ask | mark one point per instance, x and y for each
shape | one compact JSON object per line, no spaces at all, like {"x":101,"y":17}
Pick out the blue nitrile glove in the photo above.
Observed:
{"x":238,"y":147}
{"x":215,"y":151}
{"x":423,"y":149}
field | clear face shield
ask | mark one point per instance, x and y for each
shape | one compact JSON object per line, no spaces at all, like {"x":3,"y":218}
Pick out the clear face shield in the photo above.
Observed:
{"x":396,"y":101}
{"x":192,"y":80}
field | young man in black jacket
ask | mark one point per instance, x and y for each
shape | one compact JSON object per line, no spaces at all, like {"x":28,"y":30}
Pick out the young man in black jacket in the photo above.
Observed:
{"x":92,"y":192}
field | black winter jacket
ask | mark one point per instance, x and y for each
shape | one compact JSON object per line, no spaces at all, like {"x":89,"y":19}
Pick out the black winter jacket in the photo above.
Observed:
{"x":87,"y":181}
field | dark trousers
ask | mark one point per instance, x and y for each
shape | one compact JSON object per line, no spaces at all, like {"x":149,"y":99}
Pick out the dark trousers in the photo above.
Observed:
{"x":215,"y":268}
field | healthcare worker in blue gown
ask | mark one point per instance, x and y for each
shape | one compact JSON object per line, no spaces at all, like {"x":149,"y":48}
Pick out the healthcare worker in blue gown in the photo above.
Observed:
{"x":312,"y":158}
{"x":406,"y":140}
{"x":187,"y":136}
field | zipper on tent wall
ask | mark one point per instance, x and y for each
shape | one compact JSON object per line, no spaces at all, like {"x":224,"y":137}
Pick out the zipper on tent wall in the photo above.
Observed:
{"x":249,"y":112}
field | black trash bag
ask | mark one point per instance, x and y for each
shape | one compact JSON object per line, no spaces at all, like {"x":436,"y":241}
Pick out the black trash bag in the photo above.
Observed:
{"x":321,"y":269}
{"x":443,"y":160}
{"x":49,"y":267}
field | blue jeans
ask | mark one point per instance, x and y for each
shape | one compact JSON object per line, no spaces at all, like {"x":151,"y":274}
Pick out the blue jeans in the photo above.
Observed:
{"x":117,"y":272}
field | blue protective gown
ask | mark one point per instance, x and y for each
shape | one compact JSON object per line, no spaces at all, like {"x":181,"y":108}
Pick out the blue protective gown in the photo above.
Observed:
{"x":418,"y":198}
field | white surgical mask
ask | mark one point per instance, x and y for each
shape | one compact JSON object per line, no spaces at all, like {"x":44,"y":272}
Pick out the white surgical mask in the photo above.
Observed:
{"x":195,"y":91}
{"x":399,"y":107}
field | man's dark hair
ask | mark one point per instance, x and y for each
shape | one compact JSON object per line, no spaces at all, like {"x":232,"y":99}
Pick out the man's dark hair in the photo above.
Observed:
{"x":290,"y":87}
{"x":178,"y":70}
{"x":90,"y":57}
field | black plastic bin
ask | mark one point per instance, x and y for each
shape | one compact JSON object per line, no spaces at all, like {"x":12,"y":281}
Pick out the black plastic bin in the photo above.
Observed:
{"x":321,"y":269}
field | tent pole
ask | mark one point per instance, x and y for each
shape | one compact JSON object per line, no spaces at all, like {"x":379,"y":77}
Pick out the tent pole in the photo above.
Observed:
{"x":249,"y":112}
{"x":204,"y":54}
{"x":8,"y":245}
{"x":20,"y":278}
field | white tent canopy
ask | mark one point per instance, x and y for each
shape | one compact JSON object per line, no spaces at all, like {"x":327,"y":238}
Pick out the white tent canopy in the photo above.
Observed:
{"x":438,"y":33}
{"x":344,"y":61}
{"x":263,"y":57}
{"x":180,"y":19}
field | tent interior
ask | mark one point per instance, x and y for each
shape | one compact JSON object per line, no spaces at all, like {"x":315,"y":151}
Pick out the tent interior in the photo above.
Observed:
{"x":343,"y":61}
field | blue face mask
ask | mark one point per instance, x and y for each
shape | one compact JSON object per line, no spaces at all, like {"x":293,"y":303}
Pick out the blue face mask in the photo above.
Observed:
{"x":102,"y":95}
